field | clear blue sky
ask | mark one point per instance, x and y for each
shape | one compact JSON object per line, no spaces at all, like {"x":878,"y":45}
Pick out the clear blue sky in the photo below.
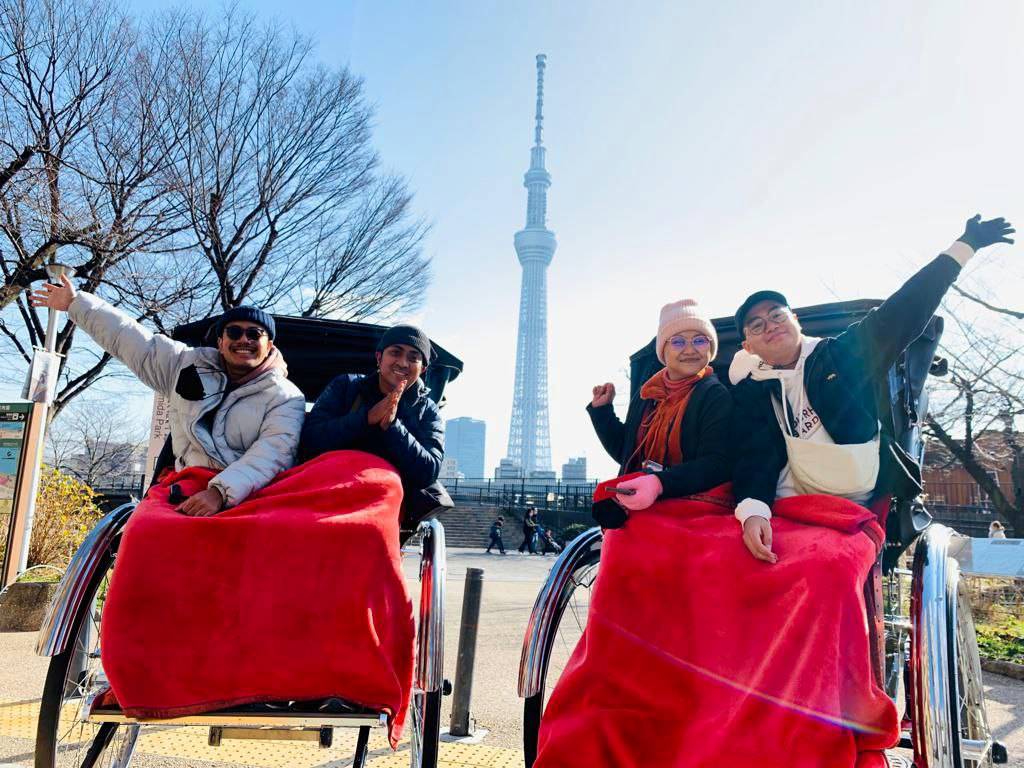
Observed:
{"x":698,"y":149}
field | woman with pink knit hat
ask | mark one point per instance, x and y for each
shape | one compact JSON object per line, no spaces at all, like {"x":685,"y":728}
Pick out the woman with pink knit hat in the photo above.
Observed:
{"x":677,"y":427}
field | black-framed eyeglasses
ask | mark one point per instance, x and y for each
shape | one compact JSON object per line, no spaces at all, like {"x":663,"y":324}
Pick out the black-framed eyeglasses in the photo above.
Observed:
{"x":759,"y":325}
{"x":252,"y":333}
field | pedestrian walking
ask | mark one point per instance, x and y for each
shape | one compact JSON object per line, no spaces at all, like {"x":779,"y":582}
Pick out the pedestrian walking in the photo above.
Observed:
{"x":529,"y":531}
{"x":496,"y":528}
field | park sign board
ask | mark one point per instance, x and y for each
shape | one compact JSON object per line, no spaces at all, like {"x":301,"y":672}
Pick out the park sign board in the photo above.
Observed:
{"x":14,"y":419}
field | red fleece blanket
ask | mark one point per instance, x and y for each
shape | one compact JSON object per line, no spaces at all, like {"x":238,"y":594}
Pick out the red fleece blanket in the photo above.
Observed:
{"x":697,"y":655}
{"x":296,"y":593}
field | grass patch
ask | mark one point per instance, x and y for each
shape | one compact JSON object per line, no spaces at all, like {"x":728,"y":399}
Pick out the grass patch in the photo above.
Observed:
{"x":1002,"y":639}
{"x":41,"y":575}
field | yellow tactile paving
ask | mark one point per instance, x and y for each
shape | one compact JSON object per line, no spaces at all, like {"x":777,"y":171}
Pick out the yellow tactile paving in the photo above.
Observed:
{"x":18,"y":720}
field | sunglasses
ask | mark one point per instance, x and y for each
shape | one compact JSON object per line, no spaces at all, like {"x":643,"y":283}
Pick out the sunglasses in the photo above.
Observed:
{"x":235,"y":332}
{"x":759,"y":325}
{"x":699,"y":342}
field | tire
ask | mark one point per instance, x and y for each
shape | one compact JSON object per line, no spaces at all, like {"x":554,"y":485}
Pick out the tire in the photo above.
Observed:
{"x":570,"y":619}
{"x":949,"y":725}
{"x":968,"y":718}
{"x":426,"y":728}
{"x":62,"y":741}
{"x":425,"y":706}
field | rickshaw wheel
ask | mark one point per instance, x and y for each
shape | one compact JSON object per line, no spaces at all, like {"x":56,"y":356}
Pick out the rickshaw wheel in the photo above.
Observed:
{"x":63,"y":740}
{"x":571,"y":606}
{"x":426,"y":727}
{"x":947,"y":697}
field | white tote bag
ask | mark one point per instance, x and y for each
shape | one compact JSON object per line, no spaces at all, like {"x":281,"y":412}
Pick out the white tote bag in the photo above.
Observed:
{"x":850,"y":471}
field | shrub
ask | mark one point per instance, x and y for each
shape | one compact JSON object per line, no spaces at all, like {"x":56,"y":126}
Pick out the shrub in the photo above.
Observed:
{"x":1003,"y":640}
{"x":66,"y":511}
{"x":571,"y":531}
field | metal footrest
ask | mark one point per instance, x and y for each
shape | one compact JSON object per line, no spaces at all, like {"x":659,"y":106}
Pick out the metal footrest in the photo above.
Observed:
{"x":229,"y":719}
{"x":324,"y":735}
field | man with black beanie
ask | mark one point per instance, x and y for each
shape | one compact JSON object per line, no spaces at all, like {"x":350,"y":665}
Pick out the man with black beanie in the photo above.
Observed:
{"x":386,"y":413}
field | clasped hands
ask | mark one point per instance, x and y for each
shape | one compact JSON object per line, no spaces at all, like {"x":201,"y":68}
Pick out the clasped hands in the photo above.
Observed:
{"x":384,"y":413}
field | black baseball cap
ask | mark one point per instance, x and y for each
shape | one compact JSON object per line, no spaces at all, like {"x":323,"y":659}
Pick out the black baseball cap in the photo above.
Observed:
{"x":753,"y":299}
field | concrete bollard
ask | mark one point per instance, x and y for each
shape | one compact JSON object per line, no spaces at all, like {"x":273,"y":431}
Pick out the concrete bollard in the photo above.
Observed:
{"x":459,"y":725}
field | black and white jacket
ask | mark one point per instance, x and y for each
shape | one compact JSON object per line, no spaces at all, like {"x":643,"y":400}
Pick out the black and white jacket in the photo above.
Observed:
{"x":841,"y":377}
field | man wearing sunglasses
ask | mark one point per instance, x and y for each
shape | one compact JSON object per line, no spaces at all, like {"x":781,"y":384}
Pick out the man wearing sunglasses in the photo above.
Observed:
{"x":806,"y":418}
{"x":232,"y":408}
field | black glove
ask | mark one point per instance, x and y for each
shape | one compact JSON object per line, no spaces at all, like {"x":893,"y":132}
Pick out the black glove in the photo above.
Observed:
{"x":608,"y":513}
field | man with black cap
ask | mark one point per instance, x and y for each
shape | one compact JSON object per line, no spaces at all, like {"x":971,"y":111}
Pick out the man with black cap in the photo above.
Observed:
{"x":386,"y":413}
{"x":806,"y":419}
{"x":231,"y":408}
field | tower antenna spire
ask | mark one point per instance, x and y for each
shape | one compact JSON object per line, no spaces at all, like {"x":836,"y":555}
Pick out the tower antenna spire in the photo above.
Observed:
{"x":541,"y":64}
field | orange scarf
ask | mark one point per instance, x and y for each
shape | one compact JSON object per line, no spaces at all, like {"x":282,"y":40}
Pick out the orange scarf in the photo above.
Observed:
{"x":659,"y":437}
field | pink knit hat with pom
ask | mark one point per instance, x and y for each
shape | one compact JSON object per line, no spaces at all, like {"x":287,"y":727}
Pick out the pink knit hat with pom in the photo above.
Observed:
{"x":683,"y":315}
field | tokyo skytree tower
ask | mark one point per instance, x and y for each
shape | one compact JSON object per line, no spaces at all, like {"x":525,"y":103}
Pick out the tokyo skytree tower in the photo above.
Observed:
{"x":529,"y":441}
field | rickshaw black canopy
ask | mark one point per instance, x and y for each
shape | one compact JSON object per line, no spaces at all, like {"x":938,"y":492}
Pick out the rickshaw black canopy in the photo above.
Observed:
{"x":318,"y":350}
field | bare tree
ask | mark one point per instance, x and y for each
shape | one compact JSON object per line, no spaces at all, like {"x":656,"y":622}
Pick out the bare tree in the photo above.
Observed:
{"x":978,"y":411}
{"x":185,"y":167}
{"x":96,"y":442}
{"x":78,"y":80}
{"x":279,"y":179}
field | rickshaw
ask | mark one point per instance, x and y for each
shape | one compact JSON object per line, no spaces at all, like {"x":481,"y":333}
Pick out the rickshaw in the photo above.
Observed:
{"x":76,"y":729}
{"x":925,"y":658}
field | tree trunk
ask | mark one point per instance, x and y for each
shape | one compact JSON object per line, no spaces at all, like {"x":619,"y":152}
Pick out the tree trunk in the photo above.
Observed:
{"x":1012,"y":511}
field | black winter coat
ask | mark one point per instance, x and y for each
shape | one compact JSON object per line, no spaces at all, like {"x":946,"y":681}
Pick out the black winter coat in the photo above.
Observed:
{"x":414,"y":442}
{"x":843,"y":377}
{"x":704,"y":438}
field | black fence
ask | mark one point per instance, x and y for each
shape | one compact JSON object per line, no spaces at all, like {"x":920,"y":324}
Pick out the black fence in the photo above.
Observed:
{"x":961,"y":506}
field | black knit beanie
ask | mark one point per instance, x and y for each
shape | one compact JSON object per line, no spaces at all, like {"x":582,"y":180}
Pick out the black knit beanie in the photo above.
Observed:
{"x":247,"y":314}
{"x":410,"y":335}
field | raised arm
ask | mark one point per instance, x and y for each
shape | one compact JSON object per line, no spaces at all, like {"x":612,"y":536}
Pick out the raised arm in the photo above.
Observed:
{"x":153,"y":357}
{"x":610,"y":430}
{"x":887,"y":331}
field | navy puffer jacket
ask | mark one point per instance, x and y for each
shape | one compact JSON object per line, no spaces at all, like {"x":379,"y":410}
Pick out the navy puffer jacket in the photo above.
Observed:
{"x":414,"y":442}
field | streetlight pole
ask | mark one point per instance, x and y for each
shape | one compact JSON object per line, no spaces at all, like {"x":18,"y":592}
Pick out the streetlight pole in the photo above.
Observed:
{"x":45,"y":365}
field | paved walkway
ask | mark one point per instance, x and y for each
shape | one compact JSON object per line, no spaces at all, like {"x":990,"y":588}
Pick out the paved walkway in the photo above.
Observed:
{"x":510,"y":586}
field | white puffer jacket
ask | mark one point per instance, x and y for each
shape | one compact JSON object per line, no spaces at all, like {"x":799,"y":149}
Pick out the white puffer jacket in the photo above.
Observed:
{"x":255,"y":432}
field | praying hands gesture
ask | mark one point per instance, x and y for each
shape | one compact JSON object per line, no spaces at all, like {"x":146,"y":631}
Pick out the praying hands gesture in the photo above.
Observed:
{"x":384,"y":413}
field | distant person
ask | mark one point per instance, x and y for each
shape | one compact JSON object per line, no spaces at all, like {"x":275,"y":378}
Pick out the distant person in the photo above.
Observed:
{"x":529,"y":531}
{"x":496,"y":529}
{"x":996,"y":530}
